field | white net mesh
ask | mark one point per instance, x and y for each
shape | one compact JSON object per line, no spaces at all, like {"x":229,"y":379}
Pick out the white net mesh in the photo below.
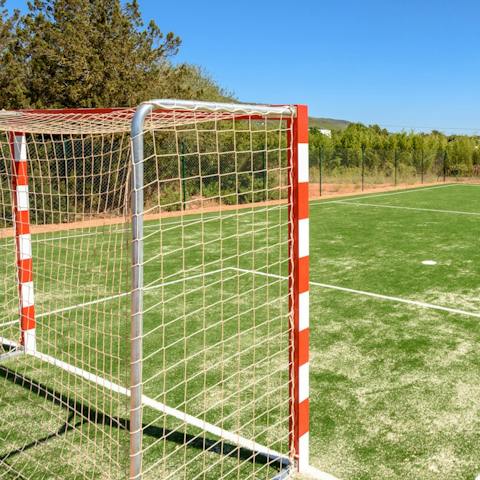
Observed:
{"x":216,"y":321}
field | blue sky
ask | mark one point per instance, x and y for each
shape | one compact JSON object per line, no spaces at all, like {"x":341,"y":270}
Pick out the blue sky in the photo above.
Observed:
{"x":399,"y":63}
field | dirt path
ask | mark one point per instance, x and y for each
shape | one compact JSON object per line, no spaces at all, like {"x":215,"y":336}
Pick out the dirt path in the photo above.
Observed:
{"x":329,"y":190}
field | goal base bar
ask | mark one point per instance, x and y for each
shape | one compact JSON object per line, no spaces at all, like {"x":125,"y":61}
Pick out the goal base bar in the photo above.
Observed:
{"x":233,"y":438}
{"x":11,"y":354}
{"x":284,"y":462}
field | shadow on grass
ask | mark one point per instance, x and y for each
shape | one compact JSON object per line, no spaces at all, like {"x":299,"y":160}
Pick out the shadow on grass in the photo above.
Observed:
{"x":89,"y":415}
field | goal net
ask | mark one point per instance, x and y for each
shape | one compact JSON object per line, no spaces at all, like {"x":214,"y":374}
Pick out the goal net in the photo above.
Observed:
{"x":154,"y":292}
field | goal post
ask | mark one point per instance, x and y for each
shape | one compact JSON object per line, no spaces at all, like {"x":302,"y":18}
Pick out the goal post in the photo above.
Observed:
{"x":170,"y":249}
{"x":21,"y":215}
{"x":299,"y":304}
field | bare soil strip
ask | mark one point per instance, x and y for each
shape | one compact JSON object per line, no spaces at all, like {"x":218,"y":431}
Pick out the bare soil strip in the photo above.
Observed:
{"x":200,"y":206}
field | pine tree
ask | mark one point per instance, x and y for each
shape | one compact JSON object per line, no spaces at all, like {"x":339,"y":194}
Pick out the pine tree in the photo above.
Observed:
{"x":12,"y":91}
{"x":90,"y":53}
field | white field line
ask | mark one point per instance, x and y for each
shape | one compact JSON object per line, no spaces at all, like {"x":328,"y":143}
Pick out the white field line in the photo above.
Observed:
{"x":264,"y":274}
{"x":371,"y":294}
{"x":180,"y":280}
{"x":312,"y":472}
{"x":80,"y":305}
{"x":399,"y":207}
{"x":124,"y":294}
{"x":156,"y":405}
{"x":387,"y":194}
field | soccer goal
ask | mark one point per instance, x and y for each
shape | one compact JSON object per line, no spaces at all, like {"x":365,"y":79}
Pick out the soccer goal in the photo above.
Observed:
{"x":154,"y":292}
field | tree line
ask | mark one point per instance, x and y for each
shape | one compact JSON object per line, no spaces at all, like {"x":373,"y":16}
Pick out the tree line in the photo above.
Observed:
{"x":383,"y":151}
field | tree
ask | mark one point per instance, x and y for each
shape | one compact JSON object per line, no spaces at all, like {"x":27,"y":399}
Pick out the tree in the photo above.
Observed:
{"x":189,"y":81}
{"x":11,"y":76}
{"x":5,"y":27}
{"x":91,"y":53}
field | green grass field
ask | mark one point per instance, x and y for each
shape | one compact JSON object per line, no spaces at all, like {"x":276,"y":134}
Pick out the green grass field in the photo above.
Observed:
{"x":394,"y":384}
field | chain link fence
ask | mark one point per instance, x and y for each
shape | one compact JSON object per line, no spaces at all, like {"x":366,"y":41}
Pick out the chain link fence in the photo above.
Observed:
{"x":336,"y":170}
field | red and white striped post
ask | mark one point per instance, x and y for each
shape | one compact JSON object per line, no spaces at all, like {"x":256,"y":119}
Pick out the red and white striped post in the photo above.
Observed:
{"x":21,"y":218}
{"x":299,"y":288}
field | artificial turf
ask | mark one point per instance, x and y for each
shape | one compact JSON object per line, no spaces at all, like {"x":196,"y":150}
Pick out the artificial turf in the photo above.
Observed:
{"x":394,"y":388}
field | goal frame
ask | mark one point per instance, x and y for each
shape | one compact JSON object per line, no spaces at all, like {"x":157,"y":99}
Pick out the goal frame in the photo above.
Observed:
{"x":298,"y":231}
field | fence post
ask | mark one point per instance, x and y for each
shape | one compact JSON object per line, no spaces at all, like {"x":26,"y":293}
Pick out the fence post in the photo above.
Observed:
{"x":422,"y":164}
{"x":395,"y":166}
{"x":363,"y":167}
{"x":414,"y":160}
{"x":264,"y":176}
{"x":320,"y":161}
{"x":184,"y":174}
{"x":445,"y":154}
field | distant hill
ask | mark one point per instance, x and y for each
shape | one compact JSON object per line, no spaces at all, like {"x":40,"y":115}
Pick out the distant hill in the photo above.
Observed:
{"x":330,"y":123}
